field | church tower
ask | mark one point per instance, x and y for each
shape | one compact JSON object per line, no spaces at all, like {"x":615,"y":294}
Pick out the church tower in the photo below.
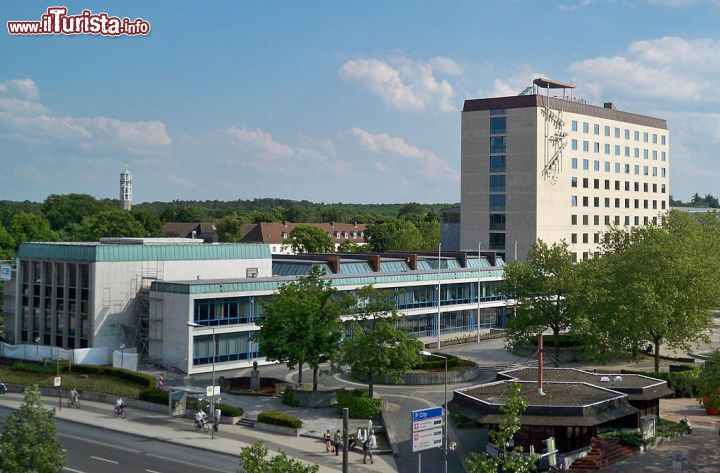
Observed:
{"x":126,"y":188}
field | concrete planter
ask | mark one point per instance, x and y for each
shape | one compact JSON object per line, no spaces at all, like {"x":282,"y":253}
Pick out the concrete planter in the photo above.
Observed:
{"x":277,"y":429}
{"x":230,"y":420}
{"x":319,"y":398}
{"x":435,"y":377}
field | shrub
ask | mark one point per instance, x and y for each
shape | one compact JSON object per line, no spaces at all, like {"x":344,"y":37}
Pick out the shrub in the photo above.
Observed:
{"x":359,"y":403}
{"x":279,"y":418}
{"x":668,"y":428}
{"x":33,"y":368}
{"x":683,"y":383}
{"x":229,"y":411}
{"x":138,"y":378}
{"x":433,"y":362}
{"x":289,"y":399}
{"x":155,"y":395}
{"x":631,"y":438}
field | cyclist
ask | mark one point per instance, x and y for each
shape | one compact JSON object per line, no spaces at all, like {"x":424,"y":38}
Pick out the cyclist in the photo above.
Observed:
{"x":74,"y":396}
{"x":119,"y":405}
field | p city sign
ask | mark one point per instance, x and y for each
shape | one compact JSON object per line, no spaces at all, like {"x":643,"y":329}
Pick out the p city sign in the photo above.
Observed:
{"x":427,"y":428}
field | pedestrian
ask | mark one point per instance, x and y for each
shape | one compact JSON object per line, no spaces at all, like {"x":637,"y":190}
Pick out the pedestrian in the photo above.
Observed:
{"x":336,"y":440}
{"x":326,"y":437}
{"x":366,"y":451}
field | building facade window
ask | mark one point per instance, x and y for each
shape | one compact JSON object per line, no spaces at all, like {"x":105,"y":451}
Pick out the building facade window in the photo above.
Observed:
{"x":497,"y":183}
{"x":497,"y":221}
{"x":497,"y":241}
{"x":497,"y":144}
{"x":497,"y":202}
{"x":497,"y":163}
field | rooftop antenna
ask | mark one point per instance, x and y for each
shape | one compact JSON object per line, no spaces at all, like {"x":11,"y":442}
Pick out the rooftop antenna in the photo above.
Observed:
{"x":555,"y":135}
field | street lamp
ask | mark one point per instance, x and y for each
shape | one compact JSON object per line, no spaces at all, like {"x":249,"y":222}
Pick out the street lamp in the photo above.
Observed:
{"x":122,"y":355}
{"x":212,"y":399}
{"x":427,"y":353}
{"x":37,"y":348}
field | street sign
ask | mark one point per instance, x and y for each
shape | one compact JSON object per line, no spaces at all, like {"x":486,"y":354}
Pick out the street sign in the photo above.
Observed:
{"x":57,"y":381}
{"x":427,"y":424}
{"x":427,"y":439}
{"x":209,"y":391}
{"x":5,"y":272}
{"x":424,"y":414}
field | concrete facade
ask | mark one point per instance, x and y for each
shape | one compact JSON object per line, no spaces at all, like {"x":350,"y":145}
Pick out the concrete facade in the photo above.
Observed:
{"x":614,"y":170}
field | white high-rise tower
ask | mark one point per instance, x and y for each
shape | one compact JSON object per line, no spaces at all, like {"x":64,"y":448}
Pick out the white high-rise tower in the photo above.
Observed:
{"x":126,"y":188}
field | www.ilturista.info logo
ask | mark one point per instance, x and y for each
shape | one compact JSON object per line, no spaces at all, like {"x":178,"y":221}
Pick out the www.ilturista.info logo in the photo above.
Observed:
{"x":57,"y":21}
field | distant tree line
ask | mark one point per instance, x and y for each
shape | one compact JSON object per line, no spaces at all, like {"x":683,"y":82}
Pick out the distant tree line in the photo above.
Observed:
{"x":81,"y":217}
{"x":697,"y":201}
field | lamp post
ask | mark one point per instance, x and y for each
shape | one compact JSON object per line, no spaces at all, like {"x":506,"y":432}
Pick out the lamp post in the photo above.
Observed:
{"x":122,"y":356}
{"x":445,"y":448}
{"x":37,"y":348}
{"x":212,"y":400}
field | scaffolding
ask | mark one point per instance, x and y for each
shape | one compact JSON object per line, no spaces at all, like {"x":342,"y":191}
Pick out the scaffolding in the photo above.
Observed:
{"x":140,"y":336}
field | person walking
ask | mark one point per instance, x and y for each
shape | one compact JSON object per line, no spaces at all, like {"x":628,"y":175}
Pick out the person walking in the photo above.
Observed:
{"x":336,"y":440}
{"x":367,"y":452}
{"x":326,"y":437}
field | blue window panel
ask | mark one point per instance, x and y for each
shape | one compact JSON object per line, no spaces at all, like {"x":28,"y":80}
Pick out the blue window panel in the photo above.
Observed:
{"x":497,"y":144}
{"x":497,"y":183}
{"x":498,"y":125}
{"x":497,"y":201}
{"x":497,"y":163}
{"x":393,"y":266}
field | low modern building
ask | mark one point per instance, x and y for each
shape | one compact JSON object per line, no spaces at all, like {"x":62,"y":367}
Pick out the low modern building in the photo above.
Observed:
{"x":144,"y":293}
{"x":574,"y":406}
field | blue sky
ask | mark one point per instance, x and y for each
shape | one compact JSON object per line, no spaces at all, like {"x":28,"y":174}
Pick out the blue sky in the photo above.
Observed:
{"x":332,"y":101}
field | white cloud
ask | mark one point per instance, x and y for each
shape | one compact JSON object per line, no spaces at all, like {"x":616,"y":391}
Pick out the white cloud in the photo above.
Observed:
{"x":429,"y":164}
{"x":514,"y":84}
{"x":671,"y":68}
{"x":24,"y":119}
{"x":405,"y":84}
{"x":258,"y":141}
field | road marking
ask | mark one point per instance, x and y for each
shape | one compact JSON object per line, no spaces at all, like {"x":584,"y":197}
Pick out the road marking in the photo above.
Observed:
{"x":152,"y":471}
{"x":104,"y":460}
{"x":71,"y":470}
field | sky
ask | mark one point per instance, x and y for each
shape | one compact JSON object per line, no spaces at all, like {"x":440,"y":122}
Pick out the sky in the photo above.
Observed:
{"x":332,"y":101}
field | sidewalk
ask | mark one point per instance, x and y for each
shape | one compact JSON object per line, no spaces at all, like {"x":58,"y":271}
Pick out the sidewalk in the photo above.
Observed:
{"x":229,"y":440}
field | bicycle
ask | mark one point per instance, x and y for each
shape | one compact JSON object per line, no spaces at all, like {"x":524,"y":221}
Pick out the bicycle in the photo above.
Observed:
{"x":120,"y":412}
{"x":204,"y":425}
{"x":73,"y":403}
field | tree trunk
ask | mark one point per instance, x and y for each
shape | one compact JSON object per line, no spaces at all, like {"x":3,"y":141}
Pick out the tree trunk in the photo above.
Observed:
{"x":657,"y":355}
{"x":556,"y":345}
{"x":300,"y":373}
{"x":315,"y":378}
{"x":370,"y":382}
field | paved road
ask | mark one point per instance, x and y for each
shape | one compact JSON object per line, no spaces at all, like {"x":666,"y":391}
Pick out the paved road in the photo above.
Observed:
{"x":93,"y":450}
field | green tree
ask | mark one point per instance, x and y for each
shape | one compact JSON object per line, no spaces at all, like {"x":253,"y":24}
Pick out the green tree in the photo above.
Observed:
{"x":302,"y":324}
{"x":190,"y":214}
{"x":253,"y":459}
{"x":30,"y":227}
{"x":332,"y":214}
{"x":393,"y":234}
{"x":512,"y":460}
{"x":307,"y":239}
{"x":656,"y":284}
{"x":149,"y":220}
{"x":544,"y":289}
{"x":393,"y":351}
{"x":297,"y":213}
{"x":348,"y":246}
{"x":230,"y":228}
{"x":412,"y":211}
{"x":29,"y":440}
{"x":7,"y":245}
{"x":64,"y":210}
{"x":111,"y":223}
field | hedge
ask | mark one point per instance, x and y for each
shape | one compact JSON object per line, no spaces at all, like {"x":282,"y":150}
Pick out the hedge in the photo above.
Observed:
{"x":289,"y":399}
{"x":359,"y":403}
{"x":155,"y":395}
{"x":137,"y":378}
{"x":229,"y":411}
{"x":683,"y":383}
{"x":279,"y":418}
{"x":433,"y":362}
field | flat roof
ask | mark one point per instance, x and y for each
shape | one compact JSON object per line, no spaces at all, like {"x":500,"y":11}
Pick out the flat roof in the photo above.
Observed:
{"x":551,"y":84}
{"x":571,"y":106}
{"x":557,"y":394}
{"x":575,"y":375}
{"x":91,"y":252}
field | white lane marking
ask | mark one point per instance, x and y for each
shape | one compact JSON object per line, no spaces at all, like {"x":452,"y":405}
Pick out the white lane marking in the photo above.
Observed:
{"x":71,"y":470}
{"x":104,"y":460}
{"x":152,"y":471}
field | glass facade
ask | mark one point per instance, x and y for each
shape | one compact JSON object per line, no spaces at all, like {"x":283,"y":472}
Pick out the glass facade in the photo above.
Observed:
{"x":55,"y":305}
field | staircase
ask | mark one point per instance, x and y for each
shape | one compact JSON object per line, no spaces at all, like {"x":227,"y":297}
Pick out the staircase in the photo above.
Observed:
{"x":246,"y":423}
{"x":602,"y":454}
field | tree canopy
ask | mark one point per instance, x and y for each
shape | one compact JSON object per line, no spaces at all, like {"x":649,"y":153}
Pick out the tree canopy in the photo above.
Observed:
{"x":302,"y":323}
{"x":654,"y":284}
{"x":375,"y":344}
{"x":253,"y":459}
{"x":111,"y":223}
{"x":544,"y":289}
{"x":307,"y":239}
{"x":29,"y":440}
